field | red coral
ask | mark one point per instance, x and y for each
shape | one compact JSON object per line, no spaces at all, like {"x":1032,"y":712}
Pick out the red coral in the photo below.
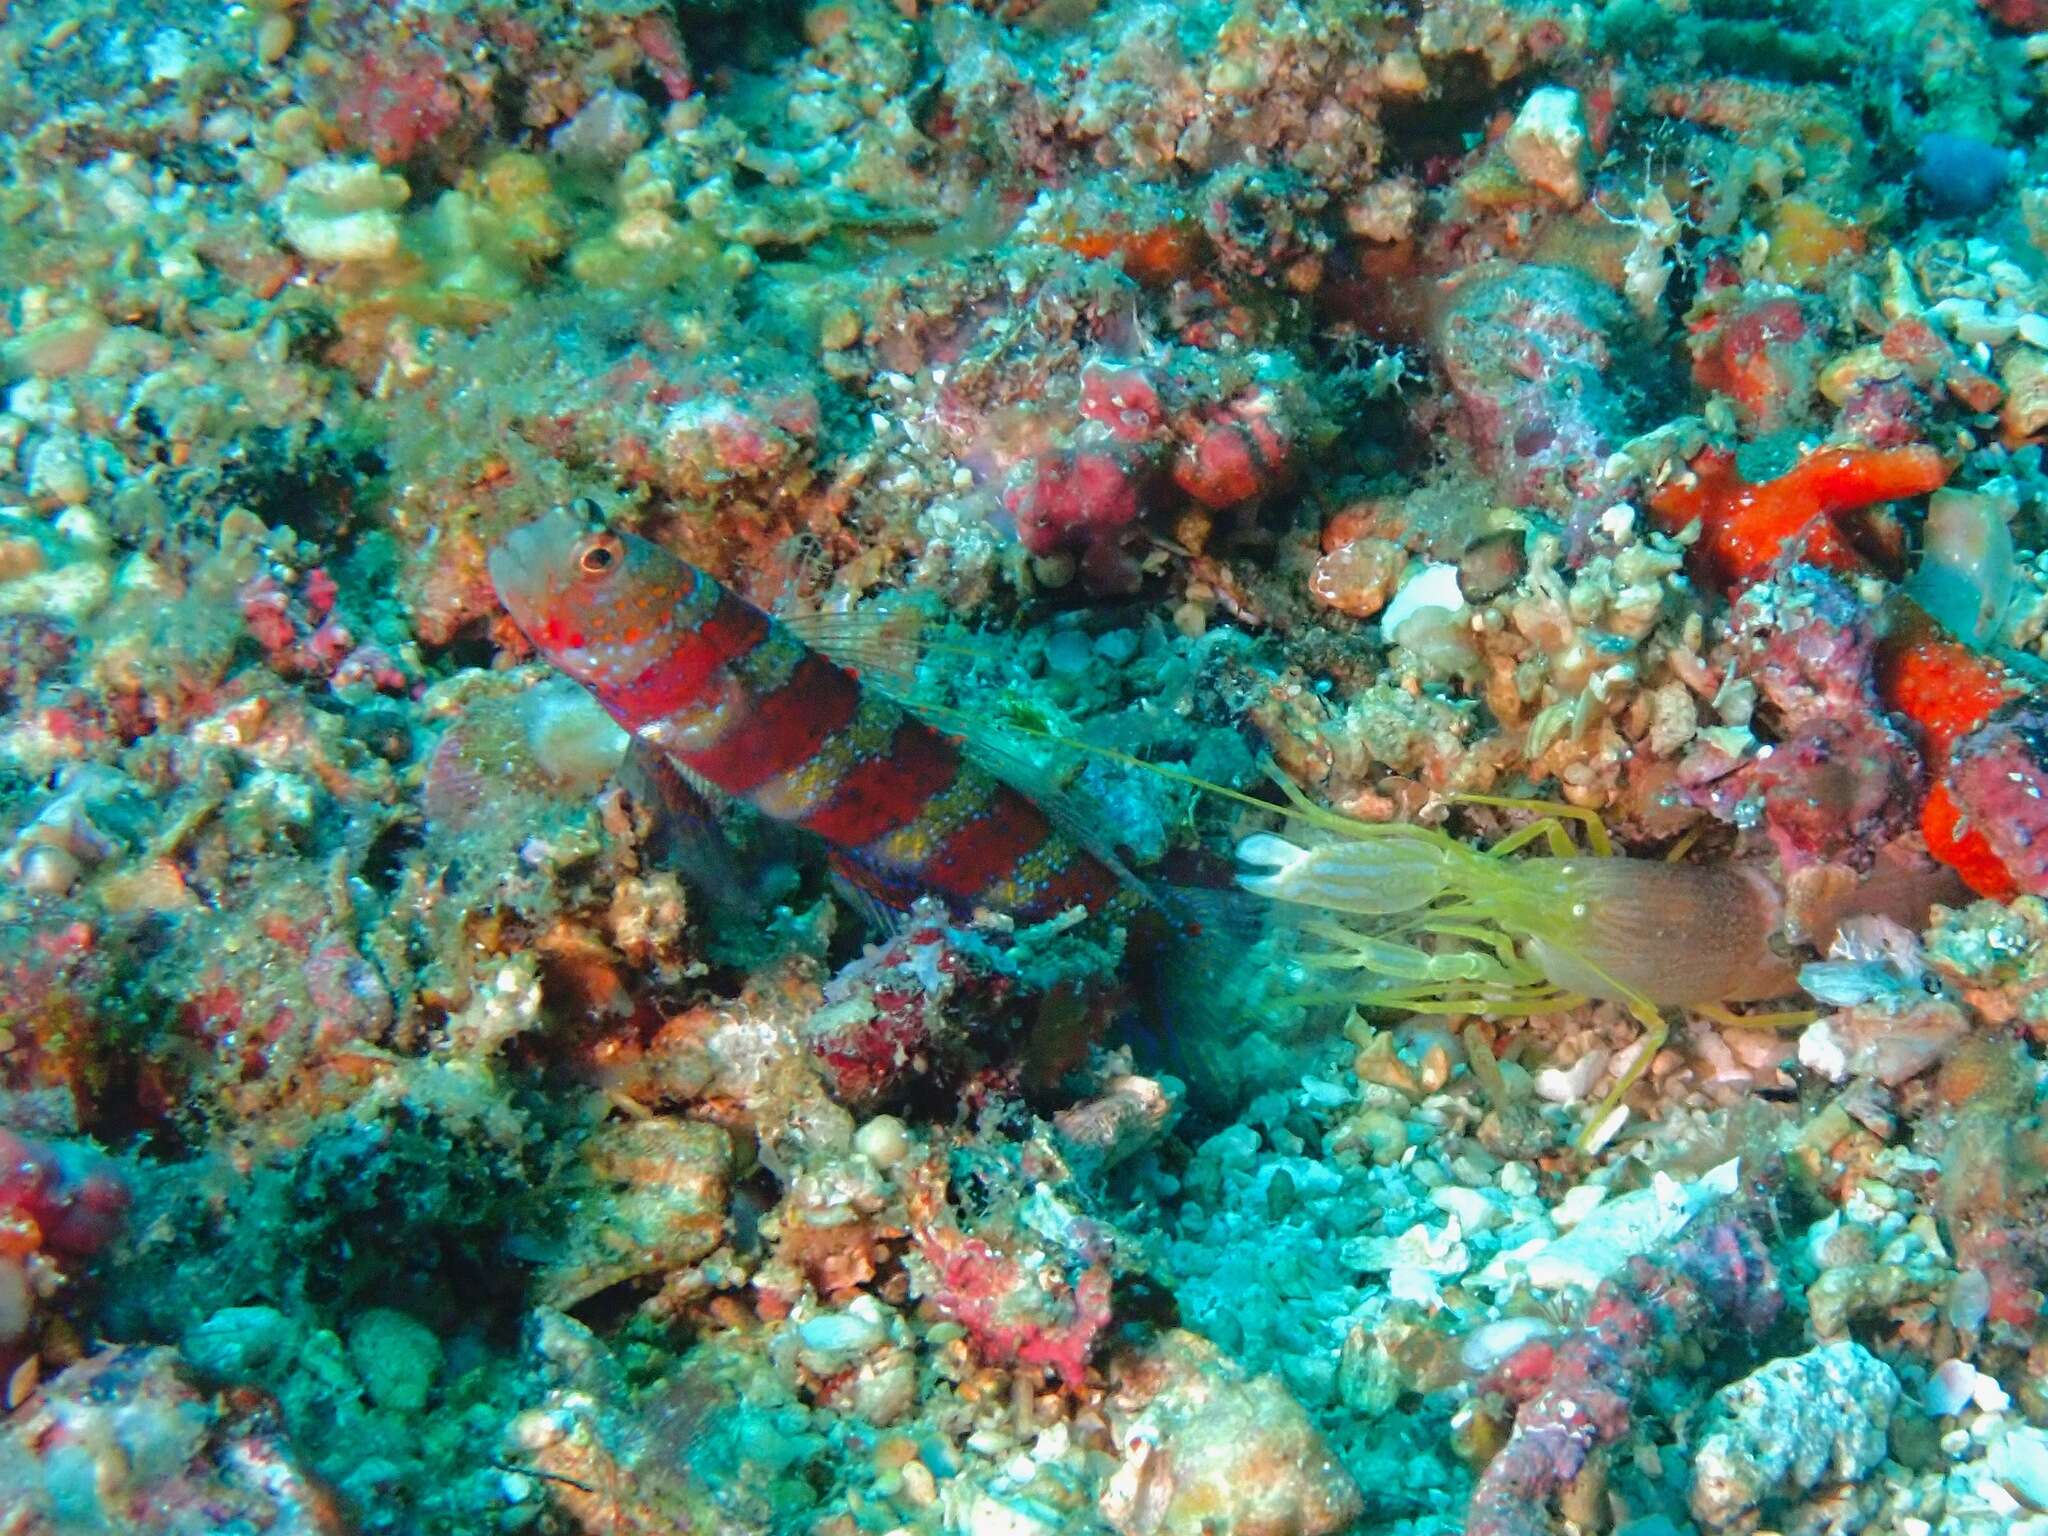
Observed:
{"x":55,"y":978}
{"x":371,"y":666}
{"x":1841,"y":776}
{"x":663,"y":50}
{"x":1809,"y":644}
{"x":1963,"y":847}
{"x":274,"y":1002}
{"x":1122,"y":399}
{"x":1884,"y":413}
{"x":1762,"y":355}
{"x":1950,"y":693}
{"x":266,"y":610}
{"x":711,"y":441}
{"x":1997,"y":783}
{"x":2020,"y":15}
{"x":1748,"y":528}
{"x":1234,"y":454}
{"x":398,"y":105}
{"x":885,"y":1018}
{"x":303,"y":636}
{"x":1031,"y":1280}
{"x":69,"y":1191}
{"x":1931,"y":359}
{"x":1945,"y":688}
{"x":1841,"y":779}
{"x":1833,"y":789}
{"x":1157,"y":255}
{"x":1081,"y":499}
{"x":60,"y":1201}
{"x":1018,"y":1314}
{"x":912,"y":1009}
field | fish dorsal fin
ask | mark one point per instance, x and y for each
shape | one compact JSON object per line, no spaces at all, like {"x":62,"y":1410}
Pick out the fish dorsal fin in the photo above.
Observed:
{"x":883,"y":646}
{"x":874,"y":644}
{"x":717,"y":797}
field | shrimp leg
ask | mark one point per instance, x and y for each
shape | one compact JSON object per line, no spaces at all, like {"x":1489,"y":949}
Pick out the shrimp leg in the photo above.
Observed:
{"x":1597,"y":840}
{"x":1656,"y":1030}
{"x":1549,"y":830}
{"x":1791,"y":1018}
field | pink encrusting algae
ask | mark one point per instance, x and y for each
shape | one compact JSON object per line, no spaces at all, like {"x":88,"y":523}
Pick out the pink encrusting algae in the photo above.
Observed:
{"x":1247,"y":768}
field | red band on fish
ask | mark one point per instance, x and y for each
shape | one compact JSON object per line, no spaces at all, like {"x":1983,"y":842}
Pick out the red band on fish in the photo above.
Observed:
{"x":1084,"y":882}
{"x":686,"y":678}
{"x":988,"y":847}
{"x":889,"y":790}
{"x":782,"y":730}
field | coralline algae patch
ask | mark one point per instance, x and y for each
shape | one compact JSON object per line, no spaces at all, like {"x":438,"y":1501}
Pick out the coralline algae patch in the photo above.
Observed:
{"x":424,"y":1109}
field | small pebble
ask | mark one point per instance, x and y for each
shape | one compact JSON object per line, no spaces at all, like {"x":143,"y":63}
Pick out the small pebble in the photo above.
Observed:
{"x":1490,"y":566}
{"x":2020,"y":1463}
{"x":274,"y":37}
{"x":1118,"y":646}
{"x":840,"y":330}
{"x":883,"y":1141}
{"x":48,"y":871}
{"x":1067,"y":653}
{"x":397,"y":1358}
{"x":1958,"y":174}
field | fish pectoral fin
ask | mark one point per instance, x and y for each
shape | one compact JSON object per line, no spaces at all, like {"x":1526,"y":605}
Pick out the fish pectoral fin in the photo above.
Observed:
{"x":687,"y":832}
{"x":883,"y":897}
{"x":647,"y":770}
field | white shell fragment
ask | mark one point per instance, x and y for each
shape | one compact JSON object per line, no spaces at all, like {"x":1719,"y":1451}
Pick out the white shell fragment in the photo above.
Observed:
{"x":1956,"y":1385}
{"x":1572,"y":1084}
{"x":1433,"y":585}
{"x":2018,"y":1462}
{"x":1547,"y":143}
{"x":1615,"y":1231}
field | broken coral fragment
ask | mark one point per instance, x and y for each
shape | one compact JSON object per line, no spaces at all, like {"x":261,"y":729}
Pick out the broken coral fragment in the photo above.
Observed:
{"x":341,"y":210}
{"x":1789,"y":1430}
{"x":1213,"y":1452}
{"x":122,"y":1441}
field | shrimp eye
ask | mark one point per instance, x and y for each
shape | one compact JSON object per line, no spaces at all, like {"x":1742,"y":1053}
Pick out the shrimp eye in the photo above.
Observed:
{"x":599,"y":553}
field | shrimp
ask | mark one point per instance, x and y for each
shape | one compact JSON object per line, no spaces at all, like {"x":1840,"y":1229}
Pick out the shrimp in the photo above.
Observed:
{"x":1441,"y":927}
{"x":1437,"y":926}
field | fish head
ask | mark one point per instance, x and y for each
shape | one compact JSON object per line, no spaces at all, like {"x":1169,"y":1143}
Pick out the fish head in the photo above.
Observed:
{"x":598,"y":603}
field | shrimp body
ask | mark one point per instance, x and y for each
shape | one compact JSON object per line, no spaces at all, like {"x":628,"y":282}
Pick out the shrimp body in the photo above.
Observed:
{"x":1682,"y":935}
{"x":1432,"y":925}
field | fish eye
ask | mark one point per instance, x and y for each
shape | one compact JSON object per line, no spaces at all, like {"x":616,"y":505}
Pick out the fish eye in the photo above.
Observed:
{"x":599,"y":553}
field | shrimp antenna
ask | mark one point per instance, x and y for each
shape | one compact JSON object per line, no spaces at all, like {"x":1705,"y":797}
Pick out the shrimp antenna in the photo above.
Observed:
{"x":1299,"y":806}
